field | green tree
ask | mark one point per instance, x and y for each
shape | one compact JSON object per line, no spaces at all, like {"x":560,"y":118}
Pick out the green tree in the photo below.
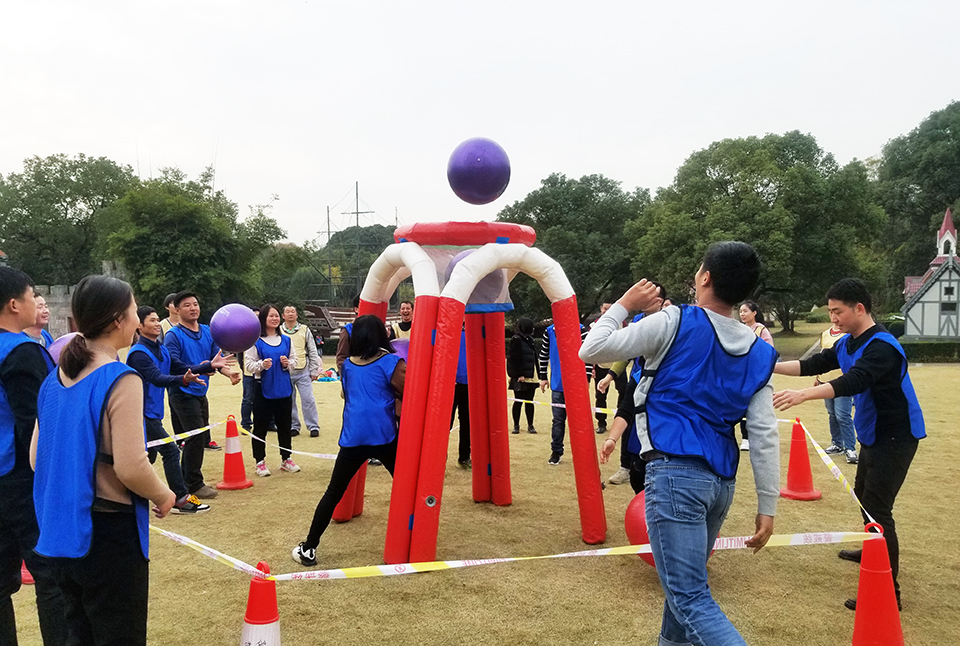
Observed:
{"x":580,"y":224}
{"x":351,"y":252}
{"x":918,"y":179}
{"x":808,"y":219}
{"x":49,"y":214}
{"x":171,"y":235}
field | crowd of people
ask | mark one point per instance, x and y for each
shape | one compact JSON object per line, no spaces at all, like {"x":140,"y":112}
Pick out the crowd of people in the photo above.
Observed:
{"x":77,"y":485}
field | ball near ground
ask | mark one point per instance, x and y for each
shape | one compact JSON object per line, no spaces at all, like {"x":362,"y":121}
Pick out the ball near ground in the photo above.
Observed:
{"x":478,"y":170}
{"x":635,"y":522}
{"x":235,"y":328}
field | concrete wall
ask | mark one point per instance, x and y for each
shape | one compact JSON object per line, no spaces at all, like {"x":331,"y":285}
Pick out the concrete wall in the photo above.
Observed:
{"x":58,"y":300}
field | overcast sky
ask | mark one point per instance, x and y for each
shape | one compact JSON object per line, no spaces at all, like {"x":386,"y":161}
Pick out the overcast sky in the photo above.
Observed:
{"x":302,"y":99}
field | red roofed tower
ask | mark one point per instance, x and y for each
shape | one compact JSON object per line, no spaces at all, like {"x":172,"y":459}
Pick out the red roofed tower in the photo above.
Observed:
{"x":947,"y":237}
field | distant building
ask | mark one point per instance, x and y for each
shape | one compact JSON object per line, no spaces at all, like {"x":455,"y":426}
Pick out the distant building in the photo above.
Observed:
{"x":931,"y":311}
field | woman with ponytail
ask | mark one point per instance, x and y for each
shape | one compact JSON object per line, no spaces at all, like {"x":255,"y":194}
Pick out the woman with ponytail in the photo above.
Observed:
{"x":93,"y":477}
{"x":752,"y":316}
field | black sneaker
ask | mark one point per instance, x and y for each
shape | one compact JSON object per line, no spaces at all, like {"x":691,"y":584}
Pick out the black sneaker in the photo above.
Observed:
{"x":465,"y":464}
{"x":601,"y":429}
{"x":851,"y":604}
{"x":515,"y":431}
{"x":554,"y":459}
{"x":833,"y":449}
{"x":294,"y":432}
{"x":190,"y":505}
{"x":303,"y":556}
{"x":851,"y":555}
{"x":315,"y":433}
{"x":213,"y":446}
{"x":531,"y":430}
{"x":374,"y":462}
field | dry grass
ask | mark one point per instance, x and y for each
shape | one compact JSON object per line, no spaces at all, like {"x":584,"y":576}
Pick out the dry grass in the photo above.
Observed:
{"x":779,"y":596}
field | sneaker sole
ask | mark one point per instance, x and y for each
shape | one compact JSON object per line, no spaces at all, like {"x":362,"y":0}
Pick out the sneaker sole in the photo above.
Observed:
{"x":290,"y":470}
{"x":295,"y":555}
{"x":181,"y":512}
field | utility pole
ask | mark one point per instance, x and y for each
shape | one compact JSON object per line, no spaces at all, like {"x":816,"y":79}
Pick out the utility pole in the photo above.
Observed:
{"x":357,"y":213}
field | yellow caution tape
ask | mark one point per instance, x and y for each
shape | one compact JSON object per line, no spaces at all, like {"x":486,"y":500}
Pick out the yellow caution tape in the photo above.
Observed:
{"x":321,"y":456}
{"x":722,"y":543}
{"x":175,"y":438}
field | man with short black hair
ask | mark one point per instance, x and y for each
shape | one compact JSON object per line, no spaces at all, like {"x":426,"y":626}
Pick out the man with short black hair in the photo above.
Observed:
{"x":703,"y":371}
{"x":24,"y":365}
{"x":402,"y":328}
{"x":191,"y":343}
{"x":173,"y":318}
{"x":888,"y":418}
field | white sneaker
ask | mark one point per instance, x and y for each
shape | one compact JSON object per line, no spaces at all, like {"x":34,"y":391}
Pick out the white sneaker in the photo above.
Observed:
{"x":620,"y":477}
{"x":262,"y":469}
{"x":289,"y":466}
{"x":745,"y":445}
{"x":852,"y":457}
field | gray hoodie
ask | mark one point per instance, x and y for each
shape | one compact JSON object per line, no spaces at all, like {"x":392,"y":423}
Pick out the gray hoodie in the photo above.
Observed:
{"x":650,"y":337}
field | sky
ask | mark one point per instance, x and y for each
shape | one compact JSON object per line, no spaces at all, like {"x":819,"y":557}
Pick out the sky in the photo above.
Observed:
{"x":301,"y":100}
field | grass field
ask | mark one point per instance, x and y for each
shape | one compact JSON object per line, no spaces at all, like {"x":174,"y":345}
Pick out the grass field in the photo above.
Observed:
{"x":778,"y":596}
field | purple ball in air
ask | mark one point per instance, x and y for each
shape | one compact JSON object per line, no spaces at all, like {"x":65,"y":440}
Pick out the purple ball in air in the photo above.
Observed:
{"x":478,"y":170}
{"x":401,"y":347}
{"x":57,"y":346}
{"x":235,"y":328}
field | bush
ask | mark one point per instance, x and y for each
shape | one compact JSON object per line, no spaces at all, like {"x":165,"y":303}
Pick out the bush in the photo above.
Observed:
{"x":817,"y":317}
{"x":937,"y":352}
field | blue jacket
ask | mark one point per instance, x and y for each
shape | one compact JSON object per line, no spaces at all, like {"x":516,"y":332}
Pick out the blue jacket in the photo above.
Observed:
{"x":68,"y":449}
{"x":699,"y":392}
{"x":8,"y":420}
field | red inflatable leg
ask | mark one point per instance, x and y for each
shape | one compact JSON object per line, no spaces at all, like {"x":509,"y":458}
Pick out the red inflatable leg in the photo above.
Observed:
{"x":583,"y":445}
{"x":419,"y":364}
{"x":497,"y":408}
{"x":361,"y":480}
{"x":479,"y":429}
{"x":343,"y":512}
{"x":436,"y":432}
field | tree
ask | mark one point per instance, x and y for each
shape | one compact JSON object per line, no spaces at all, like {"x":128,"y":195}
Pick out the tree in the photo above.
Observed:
{"x":346,"y":258}
{"x":807,"y":218}
{"x":580,"y":224}
{"x":918,"y":179}
{"x":49,"y":213}
{"x":172,"y":234}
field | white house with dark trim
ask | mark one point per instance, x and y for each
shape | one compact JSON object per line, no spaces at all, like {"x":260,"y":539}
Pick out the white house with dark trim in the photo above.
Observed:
{"x":931,"y":311}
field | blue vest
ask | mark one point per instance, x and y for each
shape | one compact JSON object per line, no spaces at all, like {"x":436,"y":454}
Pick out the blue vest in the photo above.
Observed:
{"x":45,"y":339}
{"x":636,"y":369}
{"x":369,"y":408}
{"x":153,"y":395}
{"x":68,"y":444}
{"x":275,"y":381}
{"x":8,"y":450}
{"x":462,"y":360}
{"x":865,"y":417}
{"x":700,"y":391}
{"x":194,"y":351}
{"x":556,"y":381}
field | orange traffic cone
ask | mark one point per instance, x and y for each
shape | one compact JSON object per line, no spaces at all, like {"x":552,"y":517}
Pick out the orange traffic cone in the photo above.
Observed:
{"x":25,"y":577}
{"x":234,"y":477}
{"x":799,"y":479}
{"x":877,"y":622}
{"x":261,"y":624}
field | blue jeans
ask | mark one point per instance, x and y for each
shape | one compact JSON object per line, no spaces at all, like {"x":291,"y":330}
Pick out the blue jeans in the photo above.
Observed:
{"x":246,"y":404}
{"x":840,"y":414}
{"x":686,"y":503}
{"x":557,"y":430}
{"x":170,"y":453}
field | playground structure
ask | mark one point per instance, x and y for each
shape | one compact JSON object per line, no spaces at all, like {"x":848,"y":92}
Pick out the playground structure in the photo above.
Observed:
{"x":461,"y":272}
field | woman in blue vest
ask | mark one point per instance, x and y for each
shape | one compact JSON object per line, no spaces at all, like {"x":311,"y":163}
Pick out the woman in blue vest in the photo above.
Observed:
{"x":267,"y":361}
{"x":93,"y":478}
{"x":372,"y":379}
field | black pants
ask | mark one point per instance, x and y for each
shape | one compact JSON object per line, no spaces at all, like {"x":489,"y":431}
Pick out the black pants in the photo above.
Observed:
{"x":349,"y":461}
{"x":189,"y":412}
{"x":105,"y":592}
{"x":169,"y":453}
{"x":881,"y":471}
{"x":266,"y":411}
{"x":525,"y":391}
{"x":18,"y":536}
{"x":638,"y":472}
{"x":461,"y":406}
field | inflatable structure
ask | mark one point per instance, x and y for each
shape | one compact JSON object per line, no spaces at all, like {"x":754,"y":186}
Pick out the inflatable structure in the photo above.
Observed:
{"x":461,"y":273}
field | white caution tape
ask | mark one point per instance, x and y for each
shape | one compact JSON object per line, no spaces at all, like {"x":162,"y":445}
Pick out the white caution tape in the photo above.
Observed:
{"x":722,"y":543}
{"x":181,"y":436}
{"x":321,"y":456}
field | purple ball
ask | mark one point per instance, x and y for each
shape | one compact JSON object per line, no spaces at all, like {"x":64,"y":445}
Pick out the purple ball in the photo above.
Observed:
{"x":57,"y":346}
{"x":235,"y":328}
{"x":401,"y":347}
{"x":489,"y":287}
{"x":478,"y":170}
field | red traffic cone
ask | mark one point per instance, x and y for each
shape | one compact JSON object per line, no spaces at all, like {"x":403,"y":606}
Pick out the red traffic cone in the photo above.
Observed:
{"x":25,"y":577}
{"x":261,"y":624}
{"x":799,"y":479}
{"x":234,"y":477}
{"x":877,"y":622}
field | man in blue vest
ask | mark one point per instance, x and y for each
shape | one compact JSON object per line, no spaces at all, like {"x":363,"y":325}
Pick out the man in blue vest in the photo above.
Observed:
{"x":190,"y":343}
{"x":703,"y":372}
{"x":550,"y":356}
{"x":889,"y":421}
{"x":24,"y":365}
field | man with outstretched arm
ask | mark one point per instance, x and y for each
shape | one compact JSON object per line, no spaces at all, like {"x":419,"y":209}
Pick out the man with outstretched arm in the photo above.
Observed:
{"x":704,"y":371}
{"x":888,"y":418}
